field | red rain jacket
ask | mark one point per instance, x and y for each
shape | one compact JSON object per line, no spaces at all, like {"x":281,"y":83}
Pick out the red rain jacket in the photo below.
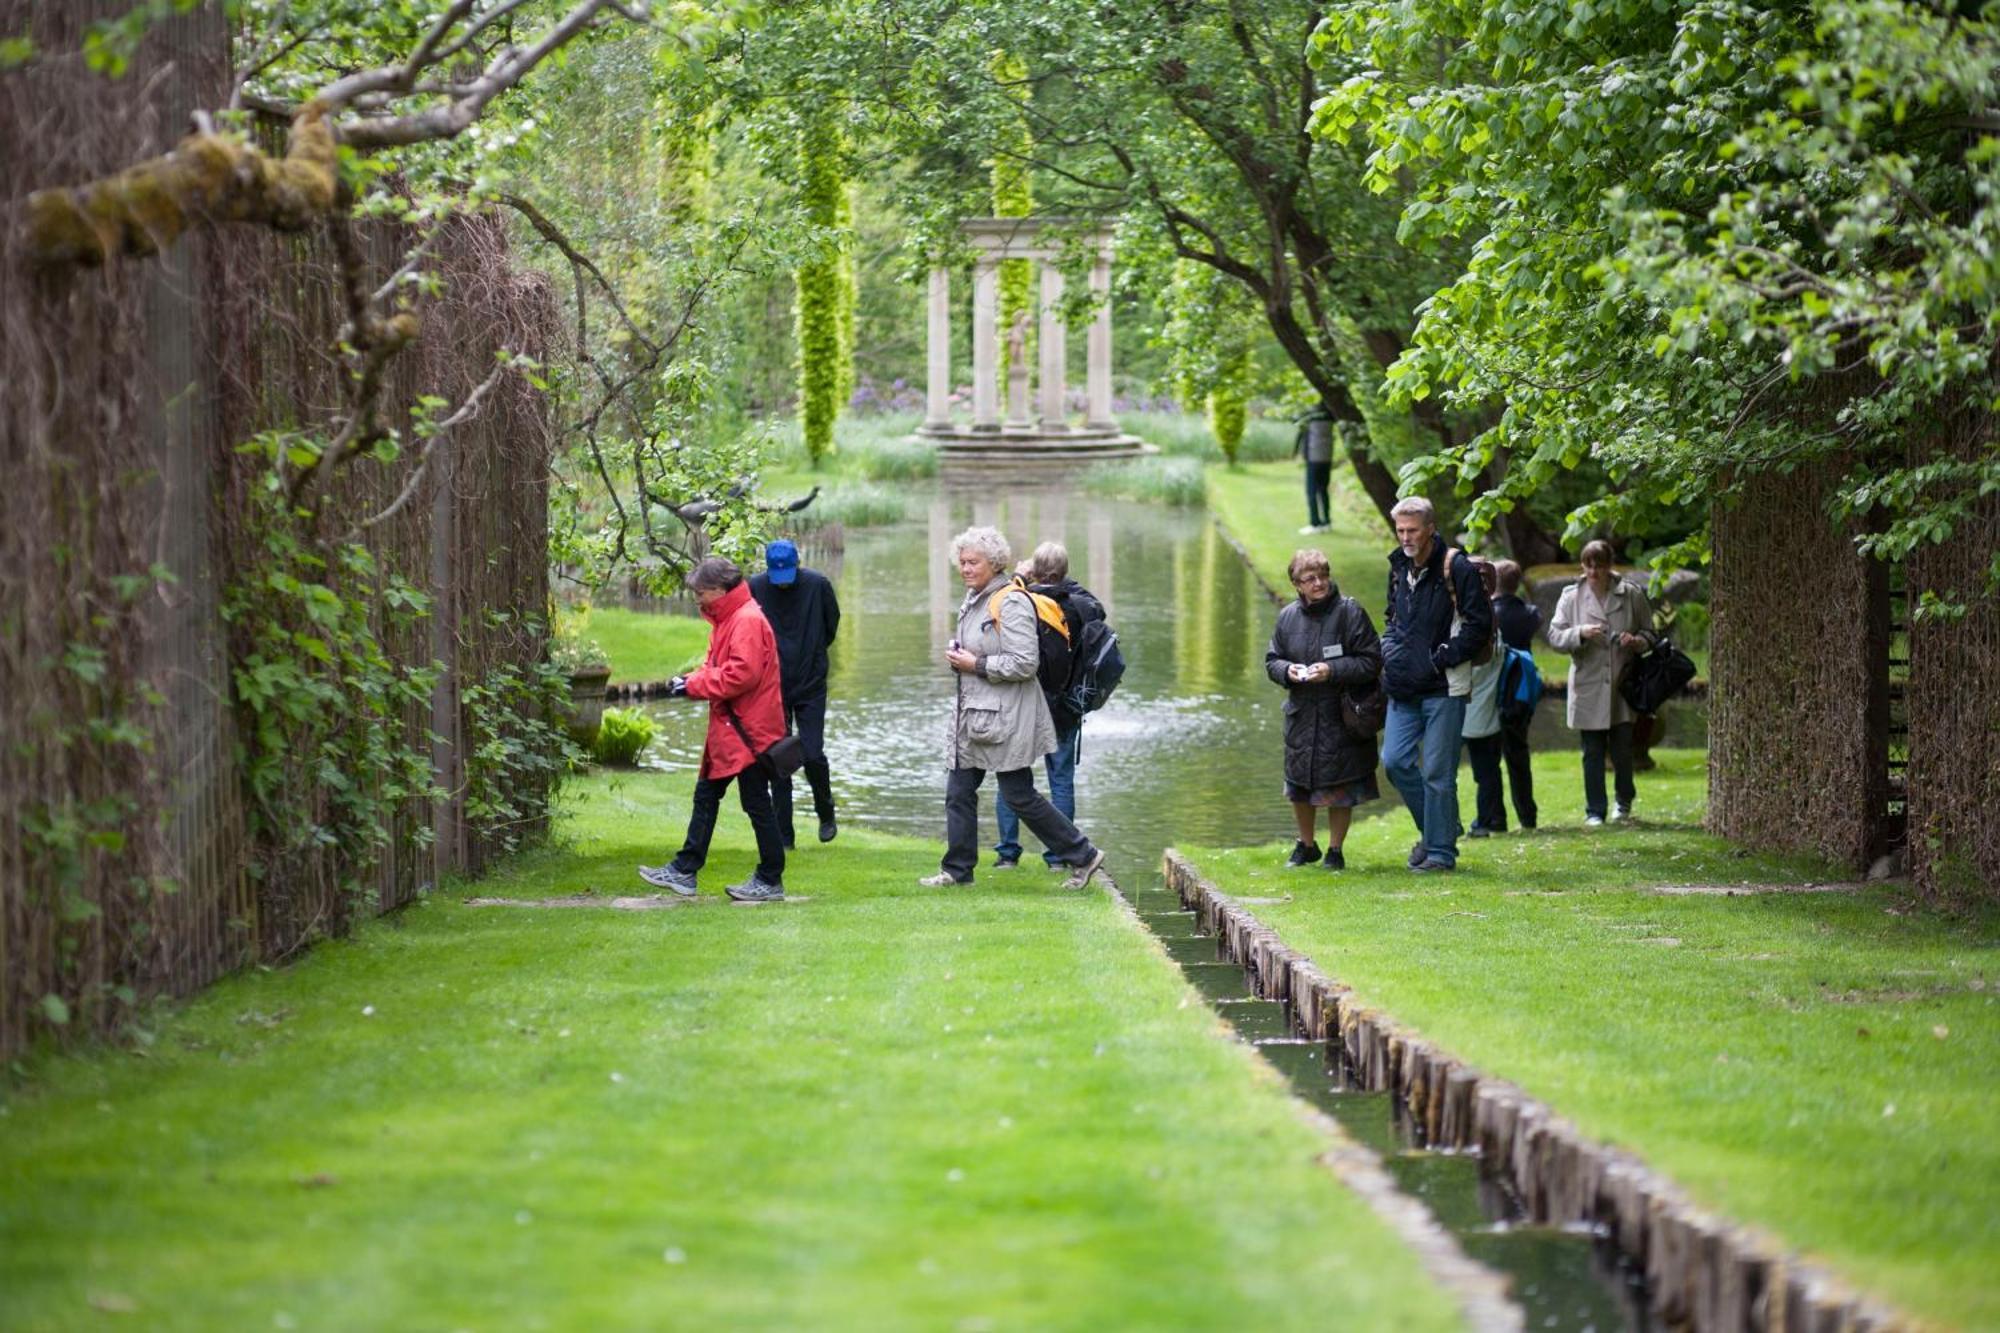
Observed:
{"x":742,"y":668}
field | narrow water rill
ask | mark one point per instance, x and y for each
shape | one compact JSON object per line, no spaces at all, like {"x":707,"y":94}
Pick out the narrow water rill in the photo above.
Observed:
{"x":1562,"y":1279}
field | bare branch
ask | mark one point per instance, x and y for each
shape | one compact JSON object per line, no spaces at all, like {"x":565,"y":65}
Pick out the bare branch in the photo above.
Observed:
{"x":466,"y":411}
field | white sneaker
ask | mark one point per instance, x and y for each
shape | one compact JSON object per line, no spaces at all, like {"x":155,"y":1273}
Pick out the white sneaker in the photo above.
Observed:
{"x":1308,"y":530}
{"x":1080,"y":876}
{"x":941,"y":880}
{"x":1593,"y":821}
{"x":1621,"y":813}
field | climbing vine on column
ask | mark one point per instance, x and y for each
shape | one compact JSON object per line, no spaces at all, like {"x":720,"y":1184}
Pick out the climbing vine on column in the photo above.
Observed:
{"x":1014,"y":197}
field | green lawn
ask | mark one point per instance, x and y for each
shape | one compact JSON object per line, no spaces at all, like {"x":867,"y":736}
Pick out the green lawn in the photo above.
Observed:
{"x":1818,"y":1065}
{"x":875,"y":1106}
{"x":645,"y":645}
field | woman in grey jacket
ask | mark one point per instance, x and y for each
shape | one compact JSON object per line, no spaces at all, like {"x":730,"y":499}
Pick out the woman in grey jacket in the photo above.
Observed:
{"x":1602,"y":622}
{"x":999,"y":719}
{"x":1323,"y":647}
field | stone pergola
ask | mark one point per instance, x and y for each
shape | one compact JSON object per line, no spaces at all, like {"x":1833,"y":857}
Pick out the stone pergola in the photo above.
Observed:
{"x":1029,"y":429}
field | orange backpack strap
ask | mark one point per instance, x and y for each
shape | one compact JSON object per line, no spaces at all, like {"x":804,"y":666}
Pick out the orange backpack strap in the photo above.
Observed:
{"x":1450,"y":587}
{"x":1045,"y":608}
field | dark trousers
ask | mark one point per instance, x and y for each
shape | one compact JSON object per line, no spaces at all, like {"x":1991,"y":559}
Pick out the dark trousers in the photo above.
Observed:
{"x":1520,"y":777}
{"x":1319,"y":512}
{"x":1484,"y":751}
{"x":1619,"y":741}
{"x":961,"y":820}
{"x":808,"y":718}
{"x":753,"y":788}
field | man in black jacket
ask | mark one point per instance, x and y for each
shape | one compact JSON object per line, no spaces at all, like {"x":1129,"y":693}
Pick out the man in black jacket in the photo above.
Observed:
{"x":804,"y":615}
{"x":1436,"y":622}
{"x":1517,"y":623}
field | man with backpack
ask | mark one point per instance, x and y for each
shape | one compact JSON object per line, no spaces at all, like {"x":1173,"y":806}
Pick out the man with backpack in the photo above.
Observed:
{"x":1437,"y":626}
{"x":1047,"y":573}
{"x":1517,"y":622}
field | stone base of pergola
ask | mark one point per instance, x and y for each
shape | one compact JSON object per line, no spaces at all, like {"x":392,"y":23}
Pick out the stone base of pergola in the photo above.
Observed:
{"x":957,"y":444}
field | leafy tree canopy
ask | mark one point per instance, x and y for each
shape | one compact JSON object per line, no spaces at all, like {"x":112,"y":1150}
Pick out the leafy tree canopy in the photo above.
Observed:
{"x":1706,"y":240}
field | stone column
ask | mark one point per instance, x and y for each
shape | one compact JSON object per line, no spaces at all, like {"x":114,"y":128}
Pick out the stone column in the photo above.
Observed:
{"x":985,"y":349}
{"x":1097,"y":380}
{"x":1055,"y":352}
{"x":937,"y":400}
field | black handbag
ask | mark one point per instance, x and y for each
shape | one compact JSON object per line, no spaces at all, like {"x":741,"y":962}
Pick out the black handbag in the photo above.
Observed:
{"x":786,"y":755}
{"x":1656,"y":677}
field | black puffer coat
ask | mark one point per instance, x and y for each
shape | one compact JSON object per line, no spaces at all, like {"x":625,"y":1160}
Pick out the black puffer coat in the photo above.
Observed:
{"x":1320,"y":751}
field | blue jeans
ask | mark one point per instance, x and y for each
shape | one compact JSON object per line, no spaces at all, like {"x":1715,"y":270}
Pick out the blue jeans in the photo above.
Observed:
{"x":1061,"y":765}
{"x":1420,"y":754}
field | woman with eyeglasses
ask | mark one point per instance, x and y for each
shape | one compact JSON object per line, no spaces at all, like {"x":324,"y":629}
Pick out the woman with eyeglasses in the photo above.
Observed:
{"x":1324,"y":646}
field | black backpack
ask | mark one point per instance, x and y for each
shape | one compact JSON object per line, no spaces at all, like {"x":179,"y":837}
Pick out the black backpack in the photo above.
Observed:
{"x":1097,"y":668}
{"x":1656,"y":677}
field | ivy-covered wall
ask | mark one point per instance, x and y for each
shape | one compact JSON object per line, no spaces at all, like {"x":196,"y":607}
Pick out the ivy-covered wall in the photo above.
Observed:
{"x":230,"y":731}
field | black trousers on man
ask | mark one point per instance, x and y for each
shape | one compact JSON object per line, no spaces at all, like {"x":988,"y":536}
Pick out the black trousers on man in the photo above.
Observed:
{"x":961,"y":820}
{"x":1319,"y":509}
{"x":808,"y":718}
{"x":753,"y":789}
{"x":1520,"y":777}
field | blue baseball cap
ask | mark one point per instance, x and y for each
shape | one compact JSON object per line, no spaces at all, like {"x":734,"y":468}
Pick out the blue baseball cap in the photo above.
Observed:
{"x":781,"y":561}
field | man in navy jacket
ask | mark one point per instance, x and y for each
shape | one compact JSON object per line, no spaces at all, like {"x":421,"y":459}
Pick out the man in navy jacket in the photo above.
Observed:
{"x":1436,"y":621}
{"x":804,"y":615}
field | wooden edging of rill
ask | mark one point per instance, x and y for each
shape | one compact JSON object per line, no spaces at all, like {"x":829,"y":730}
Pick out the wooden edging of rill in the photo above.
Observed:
{"x":1701,"y":1271}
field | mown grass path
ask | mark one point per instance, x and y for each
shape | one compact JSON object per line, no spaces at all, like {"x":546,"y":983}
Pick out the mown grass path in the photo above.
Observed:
{"x":1818,"y":1065}
{"x":879,"y":1107}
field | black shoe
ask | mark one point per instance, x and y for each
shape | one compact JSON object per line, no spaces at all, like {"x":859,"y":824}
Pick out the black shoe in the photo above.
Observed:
{"x":1303,"y":854}
{"x":791,"y":844}
{"x":1428,"y":866}
{"x":1335,"y":860}
{"x":827,"y":830}
{"x":1417,"y":855}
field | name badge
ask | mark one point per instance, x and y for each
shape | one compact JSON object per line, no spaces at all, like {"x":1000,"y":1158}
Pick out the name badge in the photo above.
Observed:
{"x":1332,"y":650}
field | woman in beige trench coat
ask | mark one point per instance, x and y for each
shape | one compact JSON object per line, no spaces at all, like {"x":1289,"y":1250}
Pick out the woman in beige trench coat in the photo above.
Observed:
{"x":999,"y":720}
{"x":1602,"y":622}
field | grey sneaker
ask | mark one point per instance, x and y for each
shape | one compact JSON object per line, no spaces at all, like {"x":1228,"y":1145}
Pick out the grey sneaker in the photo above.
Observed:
{"x":667,"y":877}
{"x":828,"y":830}
{"x":1417,"y":854}
{"x":757,"y":889}
{"x":1431,"y":866}
{"x":1080,"y":876}
{"x":942,"y":880}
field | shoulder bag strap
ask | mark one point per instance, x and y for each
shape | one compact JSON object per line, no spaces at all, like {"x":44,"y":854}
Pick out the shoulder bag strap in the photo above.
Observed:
{"x":730,"y":712}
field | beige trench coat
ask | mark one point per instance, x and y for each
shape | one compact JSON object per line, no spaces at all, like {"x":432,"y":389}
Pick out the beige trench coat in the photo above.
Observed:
{"x":1595,"y":667}
{"x":1000,"y":721}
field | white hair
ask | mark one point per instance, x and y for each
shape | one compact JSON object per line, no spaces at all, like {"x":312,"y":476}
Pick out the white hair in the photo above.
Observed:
{"x":1417,"y":506}
{"x":986,"y":543}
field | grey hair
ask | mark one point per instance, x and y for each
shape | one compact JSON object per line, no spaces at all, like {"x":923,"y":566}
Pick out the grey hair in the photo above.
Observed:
{"x":986,"y":543}
{"x":1415,"y":505}
{"x":1049,"y":563}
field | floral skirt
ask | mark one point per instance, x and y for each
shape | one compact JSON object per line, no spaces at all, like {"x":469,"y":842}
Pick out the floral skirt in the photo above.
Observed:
{"x":1359,"y":792}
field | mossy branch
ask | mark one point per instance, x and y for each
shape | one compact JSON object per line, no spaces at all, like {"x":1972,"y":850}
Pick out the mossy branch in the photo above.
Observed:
{"x":208,"y":177}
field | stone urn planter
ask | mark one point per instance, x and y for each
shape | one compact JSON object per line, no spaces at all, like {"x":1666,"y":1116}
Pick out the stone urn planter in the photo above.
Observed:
{"x":586,"y":702}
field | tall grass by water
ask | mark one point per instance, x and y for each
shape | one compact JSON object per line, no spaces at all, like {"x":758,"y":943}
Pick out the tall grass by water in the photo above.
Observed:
{"x":1157,"y":479}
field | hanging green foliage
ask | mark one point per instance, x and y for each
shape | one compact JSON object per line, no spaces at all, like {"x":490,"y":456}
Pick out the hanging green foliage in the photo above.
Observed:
{"x":1014,"y":196}
{"x":825,"y":286}
{"x":1229,"y":403}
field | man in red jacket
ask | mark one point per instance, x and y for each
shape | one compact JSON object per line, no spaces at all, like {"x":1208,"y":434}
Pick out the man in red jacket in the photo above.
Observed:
{"x":746,"y":716}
